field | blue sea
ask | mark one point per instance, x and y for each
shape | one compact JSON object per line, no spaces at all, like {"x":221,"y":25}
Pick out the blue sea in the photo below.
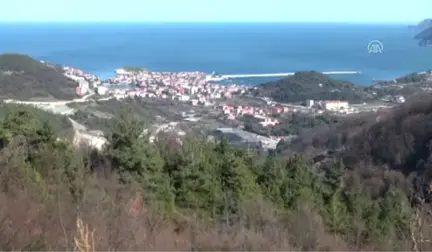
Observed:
{"x":227,"y":48}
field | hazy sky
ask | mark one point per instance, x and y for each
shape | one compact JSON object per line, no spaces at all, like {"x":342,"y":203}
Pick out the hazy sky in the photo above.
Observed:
{"x":371,"y":11}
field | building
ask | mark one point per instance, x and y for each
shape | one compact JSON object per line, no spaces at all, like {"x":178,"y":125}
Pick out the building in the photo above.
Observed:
{"x":309,"y":103}
{"x":269,"y":122}
{"x":277,"y":109}
{"x":121,"y":71}
{"x":400,"y":99}
{"x":101,"y":90}
{"x":335,"y":105}
{"x":81,"y":91}
{"x":194,"y":102}
{"x":184,"y":98}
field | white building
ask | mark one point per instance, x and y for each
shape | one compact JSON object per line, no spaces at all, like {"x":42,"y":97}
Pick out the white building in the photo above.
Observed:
{"x":184,"y":98}
{"x":101,"y":90}
{"x":335,"y":105}
{"x":400,"y":99}
{"x":309,"y":103}
{"x":269,"y":122}
{"x":121,"y":71}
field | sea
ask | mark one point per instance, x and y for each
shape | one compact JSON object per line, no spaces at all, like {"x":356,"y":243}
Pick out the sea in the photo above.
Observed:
{"x":226,"y":48}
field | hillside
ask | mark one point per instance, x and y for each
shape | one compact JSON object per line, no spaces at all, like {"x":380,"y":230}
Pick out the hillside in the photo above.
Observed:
{"x":311,"y":85}
{"x":200,"y":195}
{"x":24,"y":78}
{"x":60,"y":124}
{"x":399,"y":139}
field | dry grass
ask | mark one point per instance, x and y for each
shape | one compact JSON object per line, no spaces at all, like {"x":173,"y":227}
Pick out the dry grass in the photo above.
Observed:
{"x":84,"y":239}
{"x":104,"y":223}
{"x":112,"y":218}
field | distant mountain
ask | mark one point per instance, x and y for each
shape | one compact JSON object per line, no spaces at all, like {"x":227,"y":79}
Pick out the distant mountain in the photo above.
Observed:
{"x":425,"y":35}
{"x":398,"y":139}
{"x":423,"y":24}
{"x":23,"y":78}
{"x":311,"y":85}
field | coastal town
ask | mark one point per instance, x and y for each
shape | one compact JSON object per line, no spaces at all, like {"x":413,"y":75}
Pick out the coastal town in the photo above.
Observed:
{"x":196,"y":89}
{"x":232,"y":104}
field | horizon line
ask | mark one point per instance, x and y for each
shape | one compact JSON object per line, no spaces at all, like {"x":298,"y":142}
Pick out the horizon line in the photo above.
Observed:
{"x":203,"y":22}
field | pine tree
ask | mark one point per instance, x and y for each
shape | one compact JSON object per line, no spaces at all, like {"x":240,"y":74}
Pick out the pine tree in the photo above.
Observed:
{"x":301,"y":185}
{"x":136,"y":160}
{"x":272,"y":178}
{"x":395,"y":215}
{"x":194,"y":177}
{"x":335,"y":211}
{"x":237,"y":181}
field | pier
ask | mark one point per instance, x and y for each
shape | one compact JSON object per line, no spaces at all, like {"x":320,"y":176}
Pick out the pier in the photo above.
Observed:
{"x":221,"y":77}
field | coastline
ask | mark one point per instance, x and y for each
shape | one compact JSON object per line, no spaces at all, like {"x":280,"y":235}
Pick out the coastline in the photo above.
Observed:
{"x":240,"y":48}
{"x":237,"y":79}
{"x":350,"y":75}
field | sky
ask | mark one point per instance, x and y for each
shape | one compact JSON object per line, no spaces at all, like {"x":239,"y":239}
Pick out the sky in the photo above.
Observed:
{"x":349,"y":11}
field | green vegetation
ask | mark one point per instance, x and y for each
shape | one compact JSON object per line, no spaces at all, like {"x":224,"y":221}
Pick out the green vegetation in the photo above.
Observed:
{"x":24,"y":78}
{"x":362,"y":184}
{"x":316,"y":86}
{"x":92,"y":121}
{"x":407,"y":79}
{"x":412,"y":77}
{"x":311,"y":85}
{"x":59,"y":124}
{"x":145,"y":110}
{"x":149,"y":111}
{"x":200,"y":195}
{"x":293,"y":124}
{"x":134,"y":69}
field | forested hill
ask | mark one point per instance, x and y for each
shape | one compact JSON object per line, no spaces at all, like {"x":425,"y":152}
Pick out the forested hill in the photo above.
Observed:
{"x":398,"y":140}
{"x":199,"y":195}
{"x":23,"y":78}
{"x":311,"y":85}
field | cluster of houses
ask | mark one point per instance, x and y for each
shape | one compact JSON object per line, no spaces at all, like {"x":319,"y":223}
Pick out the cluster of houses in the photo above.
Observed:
{"x":85,"y":80}
{"x":184,"y":86}
{"x":328,"y":105}
{"x":145,"y":78}
{"x":265,"y":114}
{"x":189,"y":87}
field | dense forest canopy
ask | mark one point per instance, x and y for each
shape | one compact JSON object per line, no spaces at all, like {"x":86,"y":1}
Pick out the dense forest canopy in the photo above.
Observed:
{"x":188,"y":191}
{"x":311,"y":85}
{"x":398,"y":139}
{"x":290,"y":125}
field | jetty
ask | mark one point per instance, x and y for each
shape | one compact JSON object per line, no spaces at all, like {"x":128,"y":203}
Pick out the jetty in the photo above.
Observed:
{"x":220,"y":77}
